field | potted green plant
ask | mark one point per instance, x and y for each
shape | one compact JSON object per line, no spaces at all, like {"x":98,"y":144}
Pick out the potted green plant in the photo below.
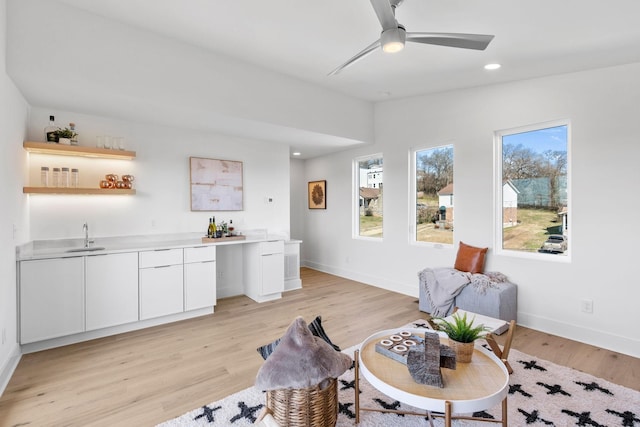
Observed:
{"x":462,"y":333}
{"x":64,"y":136}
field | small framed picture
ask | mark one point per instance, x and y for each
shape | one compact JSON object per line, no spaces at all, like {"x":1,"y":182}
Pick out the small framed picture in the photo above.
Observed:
{"x":317,"y":194}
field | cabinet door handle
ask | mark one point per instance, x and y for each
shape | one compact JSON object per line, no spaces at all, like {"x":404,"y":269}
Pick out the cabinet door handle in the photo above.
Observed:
{"x":203,"y":246}
{"x":161,"y":250}
{"x":162,"y":266}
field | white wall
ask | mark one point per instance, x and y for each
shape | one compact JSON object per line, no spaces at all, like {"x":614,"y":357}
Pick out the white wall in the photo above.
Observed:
{"x":161,"y":170}
{"x":298,"y":197}
{"x":13,"y":116}
{"x":603,"y":108}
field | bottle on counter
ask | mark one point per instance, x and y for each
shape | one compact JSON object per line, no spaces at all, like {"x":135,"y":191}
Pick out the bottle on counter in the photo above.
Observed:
{"x":210,"y":229}
{"x":214,"y":229}
{"x":231,"y":227}
{"x":50,"y":131}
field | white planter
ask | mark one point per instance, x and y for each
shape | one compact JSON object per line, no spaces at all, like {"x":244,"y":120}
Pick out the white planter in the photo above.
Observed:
{"x":64,"y":141}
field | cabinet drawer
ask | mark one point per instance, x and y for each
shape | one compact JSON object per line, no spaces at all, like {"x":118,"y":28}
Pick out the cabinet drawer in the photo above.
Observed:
{"x":161,"y":291}
{"x":272,"y":247}
{"x":199,"y":254}
{"x":160,"y":257}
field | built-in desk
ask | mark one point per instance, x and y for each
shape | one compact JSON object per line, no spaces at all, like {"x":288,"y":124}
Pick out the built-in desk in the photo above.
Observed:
{"x":69,"y":294}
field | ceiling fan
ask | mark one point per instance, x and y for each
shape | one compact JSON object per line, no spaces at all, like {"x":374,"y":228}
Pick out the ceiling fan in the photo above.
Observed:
{"x":394,"y":35}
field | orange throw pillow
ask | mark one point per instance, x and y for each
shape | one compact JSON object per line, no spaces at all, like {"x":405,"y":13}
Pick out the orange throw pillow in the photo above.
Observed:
{"x":470,"y":258}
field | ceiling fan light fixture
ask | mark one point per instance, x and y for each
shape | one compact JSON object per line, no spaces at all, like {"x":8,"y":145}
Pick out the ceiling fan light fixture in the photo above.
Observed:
{"x":392,"y":40}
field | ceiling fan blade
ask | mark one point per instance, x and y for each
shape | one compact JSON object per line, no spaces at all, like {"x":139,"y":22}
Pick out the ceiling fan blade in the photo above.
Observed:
{"x":464,"y":41}
{"x":366,"y":51}
{"x":385,"y":14}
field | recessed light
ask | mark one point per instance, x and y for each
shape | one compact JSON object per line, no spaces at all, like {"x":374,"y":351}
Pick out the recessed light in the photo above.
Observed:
{"x":492,"y":66}
{"x":296,"y":153}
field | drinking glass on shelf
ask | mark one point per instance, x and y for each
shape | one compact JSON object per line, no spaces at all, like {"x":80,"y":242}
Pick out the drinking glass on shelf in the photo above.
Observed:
{"x":100,"y":141}
{"x":107,"y":142}
{"x":118,"y":142}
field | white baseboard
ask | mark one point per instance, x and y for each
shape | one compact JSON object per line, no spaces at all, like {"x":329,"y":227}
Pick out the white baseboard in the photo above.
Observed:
{"x":7,"y":370}
{"x":376,"y":281}
{"x":597,"y":338}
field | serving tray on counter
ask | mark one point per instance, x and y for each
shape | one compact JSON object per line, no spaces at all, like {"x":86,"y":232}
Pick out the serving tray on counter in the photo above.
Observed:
{"x":222,"y":239}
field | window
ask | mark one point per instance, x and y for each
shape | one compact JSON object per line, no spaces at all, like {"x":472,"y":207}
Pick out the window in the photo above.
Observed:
{"x":368,"y":196}
{"x":533,"y":189}
{"x":434,"y":210}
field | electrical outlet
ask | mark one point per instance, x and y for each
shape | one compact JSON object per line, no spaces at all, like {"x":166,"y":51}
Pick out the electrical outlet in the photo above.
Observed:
{"x":586,"y":305}
{"x":4,"y":335}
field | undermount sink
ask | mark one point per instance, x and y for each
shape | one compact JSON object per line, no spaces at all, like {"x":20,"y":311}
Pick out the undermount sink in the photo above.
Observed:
{"x":89,"y":249}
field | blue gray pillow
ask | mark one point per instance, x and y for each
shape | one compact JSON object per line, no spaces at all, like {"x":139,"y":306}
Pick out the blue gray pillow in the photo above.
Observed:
{"x":316,"y":329}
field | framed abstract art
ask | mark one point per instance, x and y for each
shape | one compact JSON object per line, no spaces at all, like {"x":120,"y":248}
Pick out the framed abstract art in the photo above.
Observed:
{"x":216,"y":185}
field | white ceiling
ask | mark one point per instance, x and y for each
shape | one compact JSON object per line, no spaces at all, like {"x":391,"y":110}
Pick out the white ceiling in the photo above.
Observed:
{"x":307,"y":39}
{"x":269,"y":58}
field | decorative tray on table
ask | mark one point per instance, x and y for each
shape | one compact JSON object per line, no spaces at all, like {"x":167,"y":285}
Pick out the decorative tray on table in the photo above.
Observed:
{"x":397,"y":346}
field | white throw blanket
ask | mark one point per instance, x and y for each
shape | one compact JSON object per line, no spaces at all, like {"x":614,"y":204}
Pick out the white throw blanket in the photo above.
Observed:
{"x":442,"y":285}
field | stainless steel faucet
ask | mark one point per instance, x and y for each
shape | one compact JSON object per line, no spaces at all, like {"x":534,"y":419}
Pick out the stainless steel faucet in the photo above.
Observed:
{"x":85,"y":228}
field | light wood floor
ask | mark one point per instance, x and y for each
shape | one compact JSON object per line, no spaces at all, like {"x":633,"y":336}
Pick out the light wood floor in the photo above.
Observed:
{"x":145,"y":377}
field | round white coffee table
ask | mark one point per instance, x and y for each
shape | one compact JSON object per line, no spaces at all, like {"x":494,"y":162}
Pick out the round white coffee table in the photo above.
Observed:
{"x":471,"y":387}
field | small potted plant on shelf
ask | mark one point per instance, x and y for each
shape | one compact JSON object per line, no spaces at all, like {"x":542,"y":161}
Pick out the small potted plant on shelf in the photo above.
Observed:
{"x":64,"y":136}
{"x":462,"y":333}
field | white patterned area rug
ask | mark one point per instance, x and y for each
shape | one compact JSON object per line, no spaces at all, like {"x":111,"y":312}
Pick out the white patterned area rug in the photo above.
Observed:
{"x":541,"y":393}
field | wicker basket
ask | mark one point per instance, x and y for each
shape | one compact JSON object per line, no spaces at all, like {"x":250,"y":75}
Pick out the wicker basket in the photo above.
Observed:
{"x":308,"y":407}
{"x":464,"y":350}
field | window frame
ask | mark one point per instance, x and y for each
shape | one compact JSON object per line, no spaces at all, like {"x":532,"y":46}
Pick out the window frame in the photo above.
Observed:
{"x":355,"y":198}
{"x":413,"y":195}
{"x":498,"y":193}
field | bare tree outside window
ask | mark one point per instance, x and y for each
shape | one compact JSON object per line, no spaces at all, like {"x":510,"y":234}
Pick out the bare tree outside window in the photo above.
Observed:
{"x":534,"y":208}
{"x":434,"y":195}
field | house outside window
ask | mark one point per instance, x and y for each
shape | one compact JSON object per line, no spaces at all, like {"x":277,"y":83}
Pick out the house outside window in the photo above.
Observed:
{"x":369,"y":187}
{"x":433,"y":195}
{"x":532,"y":189}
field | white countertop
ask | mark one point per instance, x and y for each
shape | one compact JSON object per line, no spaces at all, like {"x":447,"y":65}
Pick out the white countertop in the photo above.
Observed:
{"x":59,"y":248}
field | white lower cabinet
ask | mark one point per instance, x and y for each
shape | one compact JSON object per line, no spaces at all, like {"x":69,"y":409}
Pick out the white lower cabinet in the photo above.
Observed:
{"x":161,"y":291}
{"x":111,"y":290}
{"x":199,"y":277}
{"x":51,"y":298}
{"x":161,"y":283}
{"x":264,"y":270}
{"x":199,"y":285}
{"x":101,"y":294}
